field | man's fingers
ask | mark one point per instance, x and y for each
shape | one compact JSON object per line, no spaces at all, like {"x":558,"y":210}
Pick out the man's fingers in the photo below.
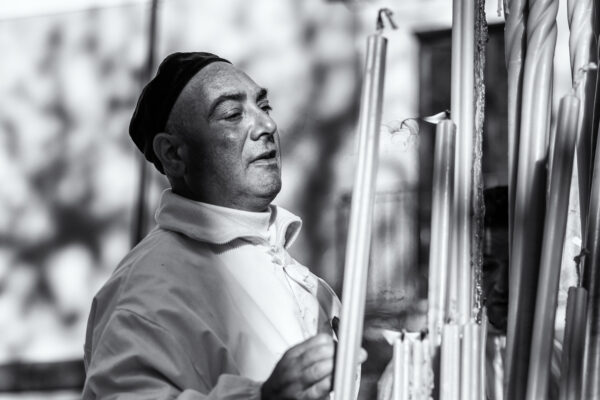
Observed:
{"x":300,"y":348}
{"x":320,"y":390}
{"x":302,"y":356}
{"x":316,"y":354}
{"x":317,"y":372}
{"x":362,"y":356}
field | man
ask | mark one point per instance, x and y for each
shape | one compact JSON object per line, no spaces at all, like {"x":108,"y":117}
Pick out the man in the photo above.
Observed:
{"x":210,"y":305}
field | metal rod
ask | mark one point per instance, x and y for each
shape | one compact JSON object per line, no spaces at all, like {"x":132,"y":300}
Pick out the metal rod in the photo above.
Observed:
{"x":140,"y":217}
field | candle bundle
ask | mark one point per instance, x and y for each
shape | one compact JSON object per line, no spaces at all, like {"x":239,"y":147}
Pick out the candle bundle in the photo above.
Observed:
{"x":554,"y":236}
{"x":530,"y":190}
{"x":413,"y":376}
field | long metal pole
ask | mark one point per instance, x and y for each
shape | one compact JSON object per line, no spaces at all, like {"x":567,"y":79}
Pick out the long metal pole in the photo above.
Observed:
{"x":140,"y":217}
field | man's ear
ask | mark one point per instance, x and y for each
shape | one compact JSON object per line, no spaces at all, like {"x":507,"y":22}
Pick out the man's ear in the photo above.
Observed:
{"x":167,"y":148}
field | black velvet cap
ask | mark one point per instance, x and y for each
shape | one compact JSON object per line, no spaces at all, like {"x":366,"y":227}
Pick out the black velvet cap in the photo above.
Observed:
{"x":160,"y":94}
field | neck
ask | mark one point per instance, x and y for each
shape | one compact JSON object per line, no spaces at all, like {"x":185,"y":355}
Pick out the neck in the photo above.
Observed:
{"x":253,"y":204}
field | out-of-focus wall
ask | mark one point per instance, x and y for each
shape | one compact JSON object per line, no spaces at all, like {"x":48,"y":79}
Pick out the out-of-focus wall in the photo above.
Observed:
{"x":67,"y":172}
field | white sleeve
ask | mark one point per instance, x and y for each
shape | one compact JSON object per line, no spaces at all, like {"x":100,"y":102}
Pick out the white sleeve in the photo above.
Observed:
{"x":137,"y":359}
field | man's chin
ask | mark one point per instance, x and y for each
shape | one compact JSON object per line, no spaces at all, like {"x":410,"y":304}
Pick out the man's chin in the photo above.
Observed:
{"x":268,"y":188}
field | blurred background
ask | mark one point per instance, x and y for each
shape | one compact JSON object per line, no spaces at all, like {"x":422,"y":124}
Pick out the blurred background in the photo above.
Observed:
{"x":70,"y":74}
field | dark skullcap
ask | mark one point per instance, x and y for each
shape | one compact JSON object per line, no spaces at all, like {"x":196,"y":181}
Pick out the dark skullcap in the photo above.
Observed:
{"x":158,"y":97}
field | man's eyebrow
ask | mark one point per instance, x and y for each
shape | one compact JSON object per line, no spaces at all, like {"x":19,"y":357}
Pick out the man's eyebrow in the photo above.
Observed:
{"x":237,"y":96}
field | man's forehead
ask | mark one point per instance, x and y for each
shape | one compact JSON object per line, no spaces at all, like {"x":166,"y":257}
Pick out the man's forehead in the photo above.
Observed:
{"x":219,"y":78}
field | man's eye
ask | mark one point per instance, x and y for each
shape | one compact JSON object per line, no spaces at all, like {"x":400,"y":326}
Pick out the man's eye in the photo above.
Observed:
{"x":233,"y":115}
{"x":266,"y":108}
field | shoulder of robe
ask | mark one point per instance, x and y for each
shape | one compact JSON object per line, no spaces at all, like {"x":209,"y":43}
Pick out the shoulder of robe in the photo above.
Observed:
{"x":166,"y":276}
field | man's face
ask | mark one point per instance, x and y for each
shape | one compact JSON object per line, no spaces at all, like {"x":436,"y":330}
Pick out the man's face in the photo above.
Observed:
{"x":231,"y":149}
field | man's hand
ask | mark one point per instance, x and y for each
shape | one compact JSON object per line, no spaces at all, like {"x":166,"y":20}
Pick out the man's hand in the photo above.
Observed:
{"x":304,"y":372}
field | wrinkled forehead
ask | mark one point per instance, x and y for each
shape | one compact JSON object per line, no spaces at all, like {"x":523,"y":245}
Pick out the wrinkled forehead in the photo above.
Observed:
{"x":218,"y":79}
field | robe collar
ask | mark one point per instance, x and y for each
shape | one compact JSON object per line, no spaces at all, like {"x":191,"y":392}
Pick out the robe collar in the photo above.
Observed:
{"x":219,"y":225}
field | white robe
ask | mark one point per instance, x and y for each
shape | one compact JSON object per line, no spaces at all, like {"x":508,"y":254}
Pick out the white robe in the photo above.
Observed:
{"x":203,"y":307}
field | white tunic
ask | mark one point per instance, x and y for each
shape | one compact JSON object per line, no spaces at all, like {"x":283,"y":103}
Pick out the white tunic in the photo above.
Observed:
{"x":203,"y":307}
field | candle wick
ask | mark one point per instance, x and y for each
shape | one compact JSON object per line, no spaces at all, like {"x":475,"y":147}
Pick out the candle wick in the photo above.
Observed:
{"x":591,"y":66}
{"x":388,"y":14}
{"x":578,"y":260}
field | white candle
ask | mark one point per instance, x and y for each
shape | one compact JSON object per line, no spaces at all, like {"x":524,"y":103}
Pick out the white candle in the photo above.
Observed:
{"x":483,"y":355}
{"x":571,"y":374}
{"x":463,"y":109}
{"x":591,"y":282}
{"x":476,"y":360}
{"x":450,"y":363}
{"x":417,"y":372}
{"x":530,"y":190}
{"x":441,"y":214}
{"x":361,"y":213}
{"x":582,"y":50}
{"x":405,"y":379}
{"x":428,"y":376}
{"x":552,"y":247}
{"x":467,"y":379}
{"x":514,"y":53}
{"x":401,"y":368}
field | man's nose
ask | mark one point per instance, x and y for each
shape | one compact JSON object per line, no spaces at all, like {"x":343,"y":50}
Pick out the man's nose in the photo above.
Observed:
{"x":264,"y":125}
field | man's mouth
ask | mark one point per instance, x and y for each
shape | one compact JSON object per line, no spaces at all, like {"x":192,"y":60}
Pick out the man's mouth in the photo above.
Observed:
{"x":268,"y":157}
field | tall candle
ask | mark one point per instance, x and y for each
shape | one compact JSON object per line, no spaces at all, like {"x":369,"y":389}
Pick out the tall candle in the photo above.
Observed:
{"x":463,"y":108}
{"x":478,"y":349}
{"x":596,"y":108}
{"x":401,"y":367}
{"x":552,"y":248}
{"x":470,"y":367}
{"x":591,"y":281}
{"x":361,"y":213}
{"x":582,"y":49}
{"x":418,"y":370}
{"x":573,"y":345}
{"x":482,"y":355}
{"x":428,"y":375}
{"x":530,"y":190}
{"x":441,"y":213}
{"x":405,"y":379}
{"x":450,"y":363}
{"x":514,"y":53}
